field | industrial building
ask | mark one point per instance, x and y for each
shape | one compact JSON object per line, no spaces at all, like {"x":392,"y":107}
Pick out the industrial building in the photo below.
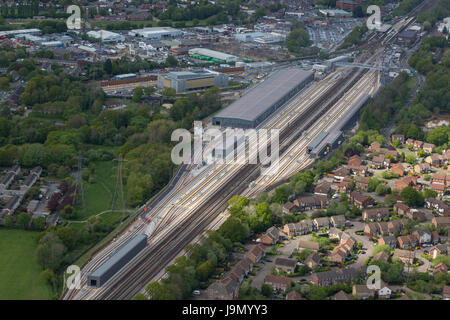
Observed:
{"x":261,"y":101}
{"x":14,"y":33}
{"x":223,"y":57}
{"x":185,"y":81}
{"x":156,"y":33}
{"x":106,"y":36}
{"x":117,"y":261}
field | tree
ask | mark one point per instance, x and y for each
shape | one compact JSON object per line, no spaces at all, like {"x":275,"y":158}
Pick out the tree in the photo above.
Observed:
{"x":171,"y":61}
{"x":149,"y":90}
{"x":8,"y":221}
{"x":107,"y":66}
{"x":428,"y":193}
{"x":373,"y":184}
{"x":382,"y":189}
{"x":438,"y":136}
{"x":156,"y":291}
{"x":234,"y":230}
{"x":23,"y":219}
{"x":204,"y":270}
{"x":169,"y":92}
{"x":412,"y":197}
{"x":137,"y":94}
{"x":140,"y":296}
{"x":38,"y":223}
{"x":266,"y":290}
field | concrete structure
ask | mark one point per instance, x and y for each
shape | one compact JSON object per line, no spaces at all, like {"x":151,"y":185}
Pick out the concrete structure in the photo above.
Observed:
{"x":13,"y":33}
{"x":106,"y":36}
{"x":156,"y":33}
{"x":185,"y":81}
{"x":262,"y":100}
{"x":213,"y":54}
{"x":117,"y":261}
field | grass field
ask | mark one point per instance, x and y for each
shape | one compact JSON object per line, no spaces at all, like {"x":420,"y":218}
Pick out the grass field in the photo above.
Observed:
{"x":98,"y":195}
{"x":19,"y":271}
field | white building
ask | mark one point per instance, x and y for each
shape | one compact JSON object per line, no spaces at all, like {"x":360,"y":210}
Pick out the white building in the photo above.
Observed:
{"x":156,"y":33}
{"x":444,"y":24}
{"x":106,"y":36}
{"x":213,"y":54}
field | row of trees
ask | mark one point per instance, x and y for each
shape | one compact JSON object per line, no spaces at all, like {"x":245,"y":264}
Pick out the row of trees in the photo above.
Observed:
{"x":20,"y":9}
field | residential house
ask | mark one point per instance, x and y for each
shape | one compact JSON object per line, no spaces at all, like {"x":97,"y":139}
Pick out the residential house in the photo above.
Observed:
{"x":31,"y":179}
{"x":360,"y":200}
{"x":11,"y":205}
{"x":391,"y":241}
{"x":303,"y":244}
{"x":405,"y":256}
{"x":405,"y":182}
{"x":409,"y":142}
{"x":397,"y":225}
{"x":278,"y":283}
{"x":255,"y":254}
{"x":434,"y":237}
{"x":406,"y":241}
{"x":271,"y":237}
{"x":439,"y":178}
{"x":299,"y":228}
{"x":422,"y":168}
{"x":446,"y":293}
{"x":401,"y":208}
{"x":375,"y":146}
{"x":226,"y":289}
{"x":290,"y":207}
{"x":375,"y":214}
{"x":440,"y":189}
{"x":398,"y":137}
{"x":313,"y":260}
{"x":354,"y":161}
{"x":428,"y":147}
{"x":433,"y":160}
{"x":320,"y":223}
{"x":441,"y":207}
{"x":338,"y":221}
{"x":381,"y":256}
{"x":418,"y":145}
{"x":240,"y":270}
{"x":362,"y":291}
{"x":344,"y":185}
{"x":438,"y":250}
{"x":441,"y":222}
{"x":384,"y":292}
{"x":440,"y":268}
{"x":294,"y":295}
{"x":311,"y":202}
{"x":362,"y":183}
{"x":341,"y":295}
{"x":422,"y":236}
{"x":343,"y":250}
{"x":335,"y":233}
{"x":332,"y":277}
{"x":323,"y":189}
{"x":399,"y":169}
{"x":415,"y":214}
{"x":340,"y":173}
{"x":285,"y":264}
{"x":371,"y":230}
{"x":378,"y":161}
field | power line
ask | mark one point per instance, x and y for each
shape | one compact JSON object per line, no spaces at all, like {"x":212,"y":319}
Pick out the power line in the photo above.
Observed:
{"x":118,"y":190}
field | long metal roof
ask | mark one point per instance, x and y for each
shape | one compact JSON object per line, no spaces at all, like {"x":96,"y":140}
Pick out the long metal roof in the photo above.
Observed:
{"x":118,"y":255}
{"x":263,"y":96}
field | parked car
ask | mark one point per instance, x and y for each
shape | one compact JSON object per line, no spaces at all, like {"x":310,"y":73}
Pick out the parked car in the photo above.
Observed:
{"x":196,"y":292}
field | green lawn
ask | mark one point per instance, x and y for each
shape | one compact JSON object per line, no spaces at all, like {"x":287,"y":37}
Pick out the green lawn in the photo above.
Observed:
{"x":19,"y":271}
{"x":98,"y":195}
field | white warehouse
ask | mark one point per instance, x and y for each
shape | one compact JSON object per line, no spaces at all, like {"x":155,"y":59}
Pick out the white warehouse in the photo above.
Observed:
{"x":106,"y":36}
{"x":156,"y":33}
{"x":213,"y":54}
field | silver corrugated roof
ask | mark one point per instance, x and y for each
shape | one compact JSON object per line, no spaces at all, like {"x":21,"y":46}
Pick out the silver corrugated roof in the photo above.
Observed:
{"x":118,"y":255}
{"x":262,"y":97}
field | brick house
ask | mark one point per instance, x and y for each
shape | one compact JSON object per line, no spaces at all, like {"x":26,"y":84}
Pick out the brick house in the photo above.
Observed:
{"x":332,"y":277}
{"x":285,"y":264}
{"x":271,"y":237}
{"x":362,"y":183}
{"x":401,"y":208}
{"x":422,"y":168}
{"x":226,"y":289}
{"x":362,"y":291}
{"x":255,"y":254}
{"x":438,"y":250}
{"x":428,"y":147}
{"x":360,"y":200}
{"x":278,"y":283}
{"x":399,"y":137}
{"x":375,"y":214}
{"x":391,"y":241}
